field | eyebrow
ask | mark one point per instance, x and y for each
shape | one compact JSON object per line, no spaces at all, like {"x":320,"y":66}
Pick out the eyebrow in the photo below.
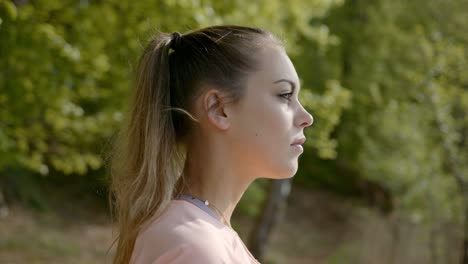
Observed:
{"x":293,"y":85}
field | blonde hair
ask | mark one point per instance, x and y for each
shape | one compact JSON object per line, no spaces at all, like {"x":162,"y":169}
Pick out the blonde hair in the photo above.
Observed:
{"x":147,"y":162}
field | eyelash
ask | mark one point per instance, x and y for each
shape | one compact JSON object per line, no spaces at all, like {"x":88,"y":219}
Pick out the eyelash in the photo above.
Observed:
{"x":287,"y":96}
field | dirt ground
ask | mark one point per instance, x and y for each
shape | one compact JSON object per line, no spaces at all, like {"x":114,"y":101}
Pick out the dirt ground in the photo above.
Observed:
{"x":318,"y":227}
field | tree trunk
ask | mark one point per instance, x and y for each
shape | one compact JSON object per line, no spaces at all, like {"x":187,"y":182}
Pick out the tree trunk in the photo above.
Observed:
{"x":3,"y":206}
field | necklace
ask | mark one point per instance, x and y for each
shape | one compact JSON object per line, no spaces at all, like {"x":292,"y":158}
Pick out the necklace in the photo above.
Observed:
{"x":212,"y":209}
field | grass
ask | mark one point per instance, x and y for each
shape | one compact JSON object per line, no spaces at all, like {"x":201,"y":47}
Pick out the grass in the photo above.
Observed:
{"x":26,"y":238}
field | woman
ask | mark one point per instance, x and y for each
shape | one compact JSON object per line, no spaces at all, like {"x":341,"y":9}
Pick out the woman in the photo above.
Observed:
{"x":212,"y":110}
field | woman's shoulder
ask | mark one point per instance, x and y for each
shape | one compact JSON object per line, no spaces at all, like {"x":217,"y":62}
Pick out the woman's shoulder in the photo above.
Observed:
{"x":182,"y":231}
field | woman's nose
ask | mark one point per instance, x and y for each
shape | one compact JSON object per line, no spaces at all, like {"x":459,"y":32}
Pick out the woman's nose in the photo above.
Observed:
{"x":304,"y":118}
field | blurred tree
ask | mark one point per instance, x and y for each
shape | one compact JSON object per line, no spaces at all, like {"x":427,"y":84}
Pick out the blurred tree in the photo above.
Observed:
{"x":66,"y":68}
{"x":405,"y":64}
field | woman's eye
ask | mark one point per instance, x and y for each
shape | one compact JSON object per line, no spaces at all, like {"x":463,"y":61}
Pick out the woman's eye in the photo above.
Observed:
{"x":287,"y":95}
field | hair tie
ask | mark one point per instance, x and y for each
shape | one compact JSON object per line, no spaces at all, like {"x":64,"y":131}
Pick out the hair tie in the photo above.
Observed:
{"x":176,"y":39}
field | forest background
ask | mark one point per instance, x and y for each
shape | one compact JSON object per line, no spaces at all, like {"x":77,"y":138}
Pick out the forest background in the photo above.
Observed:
{"x":384,"y":176}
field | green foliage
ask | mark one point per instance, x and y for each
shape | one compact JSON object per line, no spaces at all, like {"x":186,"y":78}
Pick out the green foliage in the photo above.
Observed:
{"x":405,"y":66}
{"x":66,"y":69}
{"x":55,"y":109}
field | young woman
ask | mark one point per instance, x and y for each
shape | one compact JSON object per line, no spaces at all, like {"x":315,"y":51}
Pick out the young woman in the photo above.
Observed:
{"x":213,"y":109}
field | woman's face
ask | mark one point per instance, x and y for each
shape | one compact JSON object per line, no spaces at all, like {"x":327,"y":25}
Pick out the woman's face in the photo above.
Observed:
{"x":269,"y":118}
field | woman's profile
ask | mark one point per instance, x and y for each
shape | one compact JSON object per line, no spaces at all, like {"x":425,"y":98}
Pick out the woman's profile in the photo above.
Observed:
{"x":212,"y":110}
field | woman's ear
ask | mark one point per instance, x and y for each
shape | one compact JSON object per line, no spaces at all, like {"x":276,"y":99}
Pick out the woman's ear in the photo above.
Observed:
{"x":214,"y":106}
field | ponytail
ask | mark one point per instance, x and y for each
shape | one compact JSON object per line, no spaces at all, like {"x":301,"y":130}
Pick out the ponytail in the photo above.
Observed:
{"x":146,"y":165}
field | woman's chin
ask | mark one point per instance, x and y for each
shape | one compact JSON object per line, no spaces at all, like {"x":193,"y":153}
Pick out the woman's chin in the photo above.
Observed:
{"x":286,"y":174}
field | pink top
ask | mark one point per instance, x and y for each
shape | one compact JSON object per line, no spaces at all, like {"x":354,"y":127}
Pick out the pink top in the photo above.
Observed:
{"x":185,"y":233}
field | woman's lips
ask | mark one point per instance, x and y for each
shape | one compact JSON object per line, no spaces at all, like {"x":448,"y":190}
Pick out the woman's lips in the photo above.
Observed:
{"x":300,"y":141}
